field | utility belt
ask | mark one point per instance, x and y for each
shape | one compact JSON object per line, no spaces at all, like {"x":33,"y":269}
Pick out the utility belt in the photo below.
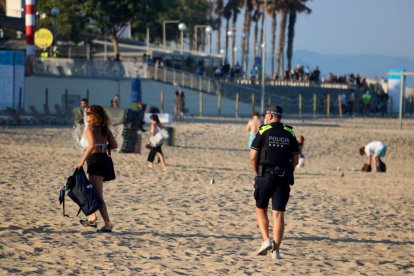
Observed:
{"x":273,"y":171}
{"x":278,"y":173}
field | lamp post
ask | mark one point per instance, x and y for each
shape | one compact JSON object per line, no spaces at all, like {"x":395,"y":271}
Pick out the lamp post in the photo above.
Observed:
{"x":182,"y":27}
{"x":195,"y":33}
{"x":222,"y":52}
{"x":235,"y":49}
{"x":55,"y":12}
{"x":164,"y":40}
{"x":244,"y":63}
{"x":209,"y":31}
{"x":230,"y":35}
{"x":262,"y":100}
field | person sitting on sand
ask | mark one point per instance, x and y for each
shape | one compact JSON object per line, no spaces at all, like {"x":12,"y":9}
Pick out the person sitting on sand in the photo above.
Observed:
{"x":253,"y":127}
{"x":374,"y":150}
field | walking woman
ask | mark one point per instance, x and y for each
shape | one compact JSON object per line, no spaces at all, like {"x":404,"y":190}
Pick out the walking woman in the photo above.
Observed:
{"x":155,"y":150}
{"x":99,"y":138}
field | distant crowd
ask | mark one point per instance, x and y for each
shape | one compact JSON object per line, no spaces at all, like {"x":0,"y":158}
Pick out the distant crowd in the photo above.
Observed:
{"x":299,"y":73}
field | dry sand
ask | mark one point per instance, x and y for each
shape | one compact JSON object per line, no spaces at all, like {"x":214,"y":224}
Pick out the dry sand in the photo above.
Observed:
{"x":177,"y":223}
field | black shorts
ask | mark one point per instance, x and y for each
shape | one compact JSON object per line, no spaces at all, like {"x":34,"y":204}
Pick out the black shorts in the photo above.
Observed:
{"x":98,"y":164}
{"x":266,"y":190}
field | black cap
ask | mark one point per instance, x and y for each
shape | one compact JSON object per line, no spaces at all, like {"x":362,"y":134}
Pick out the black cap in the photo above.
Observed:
{"x":274,"y":110}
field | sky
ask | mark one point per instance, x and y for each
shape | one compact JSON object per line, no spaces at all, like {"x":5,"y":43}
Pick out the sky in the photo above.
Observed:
{"x":379,"y":27}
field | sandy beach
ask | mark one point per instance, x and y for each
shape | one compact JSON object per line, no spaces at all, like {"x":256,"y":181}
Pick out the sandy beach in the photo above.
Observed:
{"x":339,"y":220}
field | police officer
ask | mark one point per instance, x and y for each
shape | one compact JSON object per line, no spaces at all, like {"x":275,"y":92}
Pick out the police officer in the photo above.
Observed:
{"x":273,"y":156}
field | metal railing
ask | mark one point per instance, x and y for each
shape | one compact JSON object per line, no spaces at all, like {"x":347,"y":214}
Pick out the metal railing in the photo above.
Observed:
{"x":99,"y":68}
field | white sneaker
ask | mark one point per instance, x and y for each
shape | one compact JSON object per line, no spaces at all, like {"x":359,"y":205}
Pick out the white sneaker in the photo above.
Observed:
{"x":266,"y":246}
{"x":276,"y":255}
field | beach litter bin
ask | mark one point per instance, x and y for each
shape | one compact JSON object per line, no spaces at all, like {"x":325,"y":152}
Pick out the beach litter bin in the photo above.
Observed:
{"x":171,"y":136}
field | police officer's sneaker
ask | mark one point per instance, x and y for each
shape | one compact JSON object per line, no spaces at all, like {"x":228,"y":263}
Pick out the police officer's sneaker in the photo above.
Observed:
{"x":276,"y":254}
{"x":266,"y":246}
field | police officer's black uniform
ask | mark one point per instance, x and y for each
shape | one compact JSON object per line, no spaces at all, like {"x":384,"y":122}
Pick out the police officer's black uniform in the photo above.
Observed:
{"x":276,"y":144}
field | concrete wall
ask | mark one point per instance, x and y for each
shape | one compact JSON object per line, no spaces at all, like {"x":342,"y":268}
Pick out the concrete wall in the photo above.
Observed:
{"x":101,"y":91}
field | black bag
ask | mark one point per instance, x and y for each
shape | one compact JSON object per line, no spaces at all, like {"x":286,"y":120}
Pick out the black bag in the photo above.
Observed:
{"x":381,"y":166}
{"x":80,"y":190}
{"x":110,"y":174}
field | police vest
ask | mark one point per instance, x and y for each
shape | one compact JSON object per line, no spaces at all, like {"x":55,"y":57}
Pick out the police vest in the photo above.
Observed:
{"x":276,"y":145}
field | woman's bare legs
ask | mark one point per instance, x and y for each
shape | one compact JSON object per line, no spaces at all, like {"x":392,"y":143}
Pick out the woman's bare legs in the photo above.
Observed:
{"x":162,"y":159}
{"x":97,"y":182}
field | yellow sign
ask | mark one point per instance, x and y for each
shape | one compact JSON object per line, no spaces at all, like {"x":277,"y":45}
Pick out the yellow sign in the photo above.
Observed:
{"x":43,"y":38}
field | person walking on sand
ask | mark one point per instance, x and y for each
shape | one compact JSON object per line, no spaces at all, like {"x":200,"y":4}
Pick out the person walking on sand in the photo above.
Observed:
{"x":177,"y":105}
{"x":155,"y":150}
{"x":182,"y":104}
{"x":274,"y":155}
{"x":252,"y":127}
{"x":99,"y":138}
{"x":374,"y":150}
{"x":84,"y":107}
{"x":301,"y":143}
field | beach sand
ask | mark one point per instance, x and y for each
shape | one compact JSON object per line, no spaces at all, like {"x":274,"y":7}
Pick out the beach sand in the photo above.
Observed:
{"x":339,"y":220}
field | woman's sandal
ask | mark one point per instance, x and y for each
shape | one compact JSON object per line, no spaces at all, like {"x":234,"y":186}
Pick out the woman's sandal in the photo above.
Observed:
{"x":104,"y":230}
{"x":86,"y":222}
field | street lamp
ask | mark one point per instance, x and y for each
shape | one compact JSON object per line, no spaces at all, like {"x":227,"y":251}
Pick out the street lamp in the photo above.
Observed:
{"x":195,"y":33}
{"x":182,"y":27}
{"x":164,"y":40}
{"x":222,"y":56}
{"x":263,"y":58}
{"x":209,"y":31}
{"x":244,"y":63}
{"x":235,"y":49}
{"x":230,"y":35}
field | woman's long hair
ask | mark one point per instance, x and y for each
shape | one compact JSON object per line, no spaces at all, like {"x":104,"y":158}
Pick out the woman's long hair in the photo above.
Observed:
{"x":156,"y":119}
{"x":99,"y":118}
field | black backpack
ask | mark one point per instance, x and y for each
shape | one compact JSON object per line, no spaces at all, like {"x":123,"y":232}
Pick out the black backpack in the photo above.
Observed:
{"x":381,"y":166}
{"x":80,"y":190}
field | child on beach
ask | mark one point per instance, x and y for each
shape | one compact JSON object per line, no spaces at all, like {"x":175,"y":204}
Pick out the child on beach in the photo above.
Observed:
{"x":301,"y":142}
{"x":252,"y":127}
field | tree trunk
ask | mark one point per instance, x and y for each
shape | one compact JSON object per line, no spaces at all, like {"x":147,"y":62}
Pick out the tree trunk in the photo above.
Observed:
{"x":273,"y":46}
{"x":291,"y":36}
{"x":218,"y":37}
{"x":233,"y":43}
{"x":281,"y":45}
{"x":262,"y":34}
{"x":256,"y":32}
{"x":246,"y":32}
{"x":226,"y":60}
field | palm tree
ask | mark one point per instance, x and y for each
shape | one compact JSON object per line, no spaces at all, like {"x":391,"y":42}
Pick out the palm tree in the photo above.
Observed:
{"x":227,"y":10}
{"x":248,"y":9}
{"x":282,"y":7}
{"x":294,"y":8}
{"x":271,"y":9}
{"x":218,"y":10}
{"x":256,"y":17}
{"x":235,"y":8}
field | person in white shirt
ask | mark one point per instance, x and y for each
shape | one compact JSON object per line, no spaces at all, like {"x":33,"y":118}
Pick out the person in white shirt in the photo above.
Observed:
{"x":374,"y":150}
